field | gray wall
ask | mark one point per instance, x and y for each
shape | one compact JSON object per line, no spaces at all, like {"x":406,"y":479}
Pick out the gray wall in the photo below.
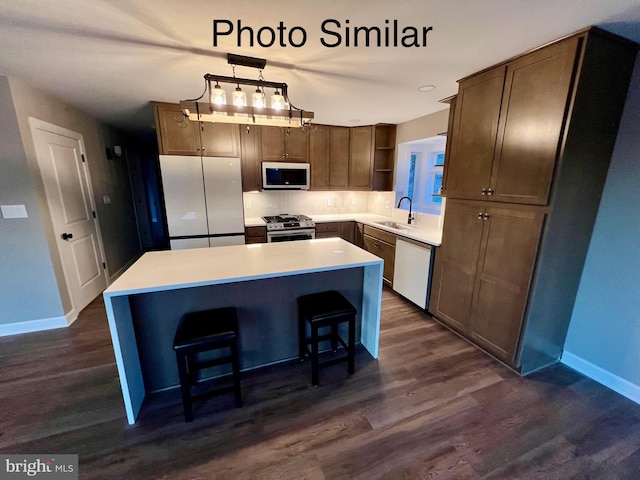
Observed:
{"x":605,"y":324}
{"x":41,"y":268}
{"x":28,"y":288}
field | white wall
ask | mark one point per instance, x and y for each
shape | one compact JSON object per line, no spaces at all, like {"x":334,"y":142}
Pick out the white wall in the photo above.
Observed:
{"x":28,"y":287}
{"x":603,"y":340}
{"x":32,"y":282}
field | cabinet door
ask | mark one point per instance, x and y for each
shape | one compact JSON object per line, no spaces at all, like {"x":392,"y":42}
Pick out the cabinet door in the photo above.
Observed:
{"x":359,"y":235}
{"x":509,"y":248}
{"x":347,"y":231}
{"x":475,"y":128}
{"x":455,"y":264}
{"x":338,"y":158}
{"x":386,"y":252}
{"x":295,"y":145}
{"x":537,"y":92}
{"x":219,"y":139}
{"x":272,"y":144}
{"x":319,"y":157}
{"x":250,"y":158}
{"x":360,"y":158}
{"x":177,"y":135}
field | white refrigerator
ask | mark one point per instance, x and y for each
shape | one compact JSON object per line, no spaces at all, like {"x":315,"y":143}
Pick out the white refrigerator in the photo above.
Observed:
{"x":203,"y":201}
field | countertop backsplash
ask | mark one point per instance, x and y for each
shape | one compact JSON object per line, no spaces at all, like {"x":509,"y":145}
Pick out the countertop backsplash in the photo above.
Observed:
{"x":259,"y":204}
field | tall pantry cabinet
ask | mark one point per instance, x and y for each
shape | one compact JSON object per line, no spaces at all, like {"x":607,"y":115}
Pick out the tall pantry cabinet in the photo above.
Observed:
{"x":530,"y":145}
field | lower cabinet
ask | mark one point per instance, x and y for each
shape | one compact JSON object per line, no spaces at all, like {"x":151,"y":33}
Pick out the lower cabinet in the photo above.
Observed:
{"x":483,"y":271}
{"x":327,"y":230}
{"x":383,"y":245}
{"x":255,"y":234}
{"x":344,"y":230}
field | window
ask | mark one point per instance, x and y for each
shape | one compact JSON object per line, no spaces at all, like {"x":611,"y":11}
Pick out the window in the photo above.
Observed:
{"x":434,"y":179}
{"x":419,"y":174}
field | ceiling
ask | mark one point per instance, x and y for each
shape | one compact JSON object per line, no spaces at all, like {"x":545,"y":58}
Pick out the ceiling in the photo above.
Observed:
{"x":110,"y":58}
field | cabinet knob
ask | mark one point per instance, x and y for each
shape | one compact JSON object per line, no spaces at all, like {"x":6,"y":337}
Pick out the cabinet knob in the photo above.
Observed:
{"x":490,"y":191}
{"x":479,"y":215}
{"x":486,"y":216}
{"x":484,"y":191}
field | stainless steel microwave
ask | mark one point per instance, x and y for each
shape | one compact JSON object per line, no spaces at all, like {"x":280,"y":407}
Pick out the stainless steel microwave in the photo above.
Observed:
{"x":285,"y":176}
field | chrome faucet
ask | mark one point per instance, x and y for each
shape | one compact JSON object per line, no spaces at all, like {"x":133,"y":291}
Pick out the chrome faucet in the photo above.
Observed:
{"x":411,"y":217}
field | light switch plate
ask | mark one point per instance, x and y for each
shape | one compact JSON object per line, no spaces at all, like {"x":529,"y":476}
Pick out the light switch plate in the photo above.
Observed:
{"x":14,"y":211}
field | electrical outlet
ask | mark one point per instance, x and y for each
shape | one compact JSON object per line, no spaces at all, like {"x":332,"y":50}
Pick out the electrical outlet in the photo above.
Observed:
{"x":247,"y":205}
{"x":387,"y":204}
{"x":329,"y":202}
{"x":353,"y":202}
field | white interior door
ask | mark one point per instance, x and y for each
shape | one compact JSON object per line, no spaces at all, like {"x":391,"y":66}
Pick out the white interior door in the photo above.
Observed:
{"x":68,"y":190}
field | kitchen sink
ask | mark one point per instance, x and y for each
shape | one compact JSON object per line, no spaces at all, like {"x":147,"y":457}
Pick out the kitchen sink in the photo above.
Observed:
{"x":396,"y":225}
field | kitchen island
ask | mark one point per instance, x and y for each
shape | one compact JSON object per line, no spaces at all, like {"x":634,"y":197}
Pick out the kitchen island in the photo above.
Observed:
{"x":263,"y":281}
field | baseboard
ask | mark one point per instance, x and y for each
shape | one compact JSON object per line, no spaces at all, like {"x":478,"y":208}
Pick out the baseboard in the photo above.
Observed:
{"x":602,"y":376}
{"x":34,"y":326}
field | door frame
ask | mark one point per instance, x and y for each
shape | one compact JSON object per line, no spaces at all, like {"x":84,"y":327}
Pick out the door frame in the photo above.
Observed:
{"x":36,"y":124}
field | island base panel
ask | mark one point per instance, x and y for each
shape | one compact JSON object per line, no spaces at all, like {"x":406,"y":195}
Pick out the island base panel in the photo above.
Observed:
{"x":267,"y":313}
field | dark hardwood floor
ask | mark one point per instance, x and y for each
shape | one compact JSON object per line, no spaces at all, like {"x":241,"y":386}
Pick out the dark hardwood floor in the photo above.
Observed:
{"x":431,"y":406}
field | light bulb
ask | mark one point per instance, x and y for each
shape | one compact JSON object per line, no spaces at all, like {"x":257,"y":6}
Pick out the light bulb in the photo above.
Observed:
{"x":218,"y":96}
{"x":239,"y":98}
{"x":277,"y":101}
{"x":258,"y":99}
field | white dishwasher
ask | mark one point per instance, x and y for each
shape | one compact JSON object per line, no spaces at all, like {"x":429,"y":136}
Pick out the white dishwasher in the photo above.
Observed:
{"x":412,"y":271}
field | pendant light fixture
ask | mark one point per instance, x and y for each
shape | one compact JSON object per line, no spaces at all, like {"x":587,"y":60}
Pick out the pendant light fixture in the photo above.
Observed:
{"x":279,"y":113}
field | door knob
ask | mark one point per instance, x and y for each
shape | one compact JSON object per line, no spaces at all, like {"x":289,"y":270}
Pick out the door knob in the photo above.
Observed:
{"x":66,"y":236}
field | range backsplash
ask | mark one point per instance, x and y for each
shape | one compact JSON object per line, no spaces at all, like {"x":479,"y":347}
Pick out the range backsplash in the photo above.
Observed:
{"x":258,"y":204}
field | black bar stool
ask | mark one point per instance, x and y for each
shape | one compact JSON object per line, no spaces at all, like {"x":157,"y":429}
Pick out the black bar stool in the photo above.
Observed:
{"x":326,"y":309}
{"x":201,"y":332}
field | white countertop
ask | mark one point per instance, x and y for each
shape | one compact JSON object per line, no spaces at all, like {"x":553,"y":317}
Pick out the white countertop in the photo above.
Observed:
{"x":174,"y":269}
{"x":432,"y":236}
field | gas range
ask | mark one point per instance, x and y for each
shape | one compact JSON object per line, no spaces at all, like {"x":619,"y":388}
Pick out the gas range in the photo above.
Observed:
{"x":285,"y":221}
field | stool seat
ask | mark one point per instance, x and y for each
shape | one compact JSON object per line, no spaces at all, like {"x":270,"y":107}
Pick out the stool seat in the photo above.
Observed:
{"x":200,"y":328}
{"x":205,"y":331}
{"x":326,"y":309}
{"x":324,"y":306}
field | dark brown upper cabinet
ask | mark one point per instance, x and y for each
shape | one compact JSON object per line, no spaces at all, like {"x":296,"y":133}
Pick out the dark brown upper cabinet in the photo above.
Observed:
{"x":361,"y":148}
{"x":508,"y":127}
{"x":329,"y":157}
{"x":281,"y":144}
{"x":178,"y":135}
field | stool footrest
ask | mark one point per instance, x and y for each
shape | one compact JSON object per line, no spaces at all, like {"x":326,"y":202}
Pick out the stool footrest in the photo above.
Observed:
{"x":212,"y":363}
{"x":342,"y":342}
